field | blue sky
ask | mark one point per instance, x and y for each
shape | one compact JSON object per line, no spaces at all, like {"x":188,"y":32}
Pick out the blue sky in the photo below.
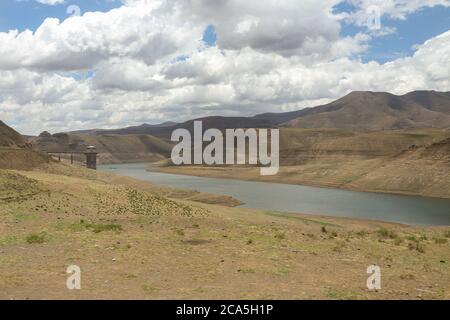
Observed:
{"x":416,"y":29}
{"x":29,"y":14}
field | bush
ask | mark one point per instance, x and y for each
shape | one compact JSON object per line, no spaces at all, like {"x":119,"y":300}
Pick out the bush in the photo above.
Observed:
{"x":416,"y":246}
{"x":387,"y":234}
{"x":37,"y":238}
{"x":95,"y":227}
{"x":280,"y":236}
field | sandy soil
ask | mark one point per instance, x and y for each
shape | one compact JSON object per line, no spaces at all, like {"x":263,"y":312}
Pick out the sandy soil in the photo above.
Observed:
{"x":134,"y":240}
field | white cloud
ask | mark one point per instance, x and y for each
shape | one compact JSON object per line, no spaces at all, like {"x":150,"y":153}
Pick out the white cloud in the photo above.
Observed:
{"x":148,"y":64}
{"x":148,"y":33}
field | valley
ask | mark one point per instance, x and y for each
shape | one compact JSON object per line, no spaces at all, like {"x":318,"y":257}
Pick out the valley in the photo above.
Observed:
{"x":136,"y":239}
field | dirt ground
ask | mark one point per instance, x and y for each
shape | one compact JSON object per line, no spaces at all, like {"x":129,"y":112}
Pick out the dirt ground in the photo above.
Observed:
{"x":134,"y":240}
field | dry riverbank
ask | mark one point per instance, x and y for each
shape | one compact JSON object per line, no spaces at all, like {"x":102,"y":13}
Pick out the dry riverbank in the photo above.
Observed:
{"x":419,"y":178}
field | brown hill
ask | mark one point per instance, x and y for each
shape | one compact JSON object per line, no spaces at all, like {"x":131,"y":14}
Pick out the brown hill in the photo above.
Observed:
{"x":432,"y":100}
{"x":371,"y":111}
{"x":11,"y":138}
{"x":165,"y":131}
{"x":16,"y":153}
{"x":111,"y":148}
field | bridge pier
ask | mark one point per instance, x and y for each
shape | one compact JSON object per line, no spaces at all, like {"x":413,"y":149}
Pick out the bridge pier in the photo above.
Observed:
{"x":91,"y":158}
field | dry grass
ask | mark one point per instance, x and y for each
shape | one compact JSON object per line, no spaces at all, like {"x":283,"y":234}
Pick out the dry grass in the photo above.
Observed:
{"x":131,"y":241}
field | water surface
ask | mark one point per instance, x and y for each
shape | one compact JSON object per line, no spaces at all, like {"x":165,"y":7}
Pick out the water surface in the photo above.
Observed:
{"x":309,"y":200}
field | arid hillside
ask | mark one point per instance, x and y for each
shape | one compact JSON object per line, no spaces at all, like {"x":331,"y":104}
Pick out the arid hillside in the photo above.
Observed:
{"x":398,"y":161}
{"x":300,"y":146}
{"x":11,"y":138}
{"x":16,"y":153}
{"x":111,"y":148}
{"x":373,"y":111}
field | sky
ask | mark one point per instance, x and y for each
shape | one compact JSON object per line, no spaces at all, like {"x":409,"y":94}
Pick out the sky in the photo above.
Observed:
{"x":80,"y":64}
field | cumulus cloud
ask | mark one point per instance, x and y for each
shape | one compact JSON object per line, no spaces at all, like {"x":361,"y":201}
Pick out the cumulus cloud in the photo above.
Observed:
{"x":148,"y":32}
{"x":144,"y":62}
{"x":287,"y":27}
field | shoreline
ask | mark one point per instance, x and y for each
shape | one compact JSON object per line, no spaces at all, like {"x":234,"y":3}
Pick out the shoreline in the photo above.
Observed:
{"x":215,"y":174}
{"x":242,"y":203}
{"x":202,"y":198}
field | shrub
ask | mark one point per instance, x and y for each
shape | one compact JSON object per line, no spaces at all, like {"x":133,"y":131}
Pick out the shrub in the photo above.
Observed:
{"x":280,"y":236}
{"x":386,"y":233}
{"x":97,"y":228}
{"x":36,"y":238}
{"x":362,"y":233}
{"x":416,"y":246}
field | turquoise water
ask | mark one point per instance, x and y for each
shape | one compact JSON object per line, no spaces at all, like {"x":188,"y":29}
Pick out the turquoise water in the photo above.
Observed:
{"x":308,"y":200}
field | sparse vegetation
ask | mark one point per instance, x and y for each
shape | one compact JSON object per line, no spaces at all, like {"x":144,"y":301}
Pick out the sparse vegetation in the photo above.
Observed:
{"x":440,"y":240}
{"x":180,"y":232}
{"x":387,"y":234}
{"x":37,"y":238}
{"x":280,"y":236}
{"x":340,"y":294}
{"x":149,"y":289}
{"x":8,"y":240}
{"x":96,"y":227}
{"x":91,"y":217}
{"x":416,"y":246}
{"x":362,"y":233}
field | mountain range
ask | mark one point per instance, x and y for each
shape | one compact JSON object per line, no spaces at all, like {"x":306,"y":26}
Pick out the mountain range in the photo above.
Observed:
{"x":359,"y":111}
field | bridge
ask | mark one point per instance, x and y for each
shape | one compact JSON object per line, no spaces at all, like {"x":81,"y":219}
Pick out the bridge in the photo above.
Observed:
{"x":90,"y":153}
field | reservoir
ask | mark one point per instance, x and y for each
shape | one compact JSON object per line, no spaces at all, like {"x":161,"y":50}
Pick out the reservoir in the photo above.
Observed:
{"x":411,"y":210}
